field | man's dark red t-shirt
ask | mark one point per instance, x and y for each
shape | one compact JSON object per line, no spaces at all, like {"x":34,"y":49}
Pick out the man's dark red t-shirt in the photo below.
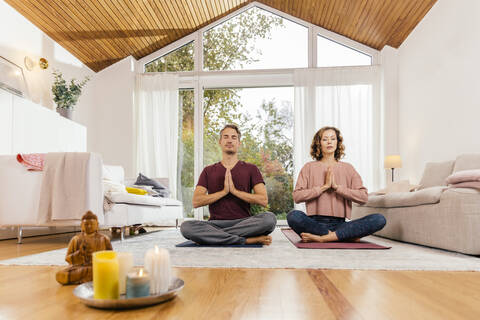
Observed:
{"x":244,"y":175}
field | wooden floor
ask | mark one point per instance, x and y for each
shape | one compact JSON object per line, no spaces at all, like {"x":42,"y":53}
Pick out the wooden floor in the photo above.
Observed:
{"x":28,"y":292}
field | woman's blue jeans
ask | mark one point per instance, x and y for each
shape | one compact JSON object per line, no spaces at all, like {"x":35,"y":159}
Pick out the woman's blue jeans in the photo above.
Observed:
{"x":320,"y":225}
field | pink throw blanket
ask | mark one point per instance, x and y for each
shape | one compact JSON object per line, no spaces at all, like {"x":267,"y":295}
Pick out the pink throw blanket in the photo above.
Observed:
{"x":32,"y":161}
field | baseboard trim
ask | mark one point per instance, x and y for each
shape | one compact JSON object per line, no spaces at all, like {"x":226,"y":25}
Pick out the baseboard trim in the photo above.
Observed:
{"x":11,"y":232}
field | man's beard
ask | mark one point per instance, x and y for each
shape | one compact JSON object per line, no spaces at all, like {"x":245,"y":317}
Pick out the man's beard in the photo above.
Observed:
{"x":230,"y":152}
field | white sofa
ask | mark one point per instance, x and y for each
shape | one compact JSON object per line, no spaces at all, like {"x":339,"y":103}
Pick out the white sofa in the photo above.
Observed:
{"x":129,"y":209}
{"x":436,"y":215}
{"x":20,"y":195}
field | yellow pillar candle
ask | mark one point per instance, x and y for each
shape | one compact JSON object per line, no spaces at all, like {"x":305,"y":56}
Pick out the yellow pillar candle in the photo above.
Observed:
{"x":105,"y":275}
{"x":125,"y":264}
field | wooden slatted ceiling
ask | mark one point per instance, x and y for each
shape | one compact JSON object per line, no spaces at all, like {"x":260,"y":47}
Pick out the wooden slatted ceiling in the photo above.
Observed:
{"x":102,"y":32}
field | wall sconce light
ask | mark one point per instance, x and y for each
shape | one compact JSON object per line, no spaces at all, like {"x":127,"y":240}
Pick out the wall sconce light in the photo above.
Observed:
{"x":30,"y":63}
{"x":43,"y":63}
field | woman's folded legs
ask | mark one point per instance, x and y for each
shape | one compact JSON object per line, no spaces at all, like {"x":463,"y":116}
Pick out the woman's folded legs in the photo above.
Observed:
{"x":328,"y":229}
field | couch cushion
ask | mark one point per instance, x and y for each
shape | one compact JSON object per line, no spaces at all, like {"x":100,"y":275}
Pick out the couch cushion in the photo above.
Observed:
{"x":435,"y":174}
{"x":120,"y":197}
{"x":467,"y":184}
{"x":113,"y":173}
{"x":112,"y":186}
{"x":143,"y":180}
{"x":464,"y":176}
{"x":406,"y":199}
{"x":398,"y":186}
{"x":467,"y":162}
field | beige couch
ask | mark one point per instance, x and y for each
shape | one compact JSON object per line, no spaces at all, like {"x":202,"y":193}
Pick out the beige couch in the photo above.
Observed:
{"x":435,"y":215}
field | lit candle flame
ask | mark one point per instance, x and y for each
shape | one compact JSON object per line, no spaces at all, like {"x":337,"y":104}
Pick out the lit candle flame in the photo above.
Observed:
{"x":156,"y":250}
{"x":140,"y":273}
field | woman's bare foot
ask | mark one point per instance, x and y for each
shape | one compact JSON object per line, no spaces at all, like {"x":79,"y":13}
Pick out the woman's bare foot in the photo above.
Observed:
{"x":266,"y":240}
{"x":308,"y":237}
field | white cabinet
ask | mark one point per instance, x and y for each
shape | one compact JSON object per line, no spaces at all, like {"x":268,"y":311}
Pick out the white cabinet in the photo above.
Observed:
{"x":26,"y":127}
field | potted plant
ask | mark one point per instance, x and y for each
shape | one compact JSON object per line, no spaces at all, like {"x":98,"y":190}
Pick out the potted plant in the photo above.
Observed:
{"x":64,"y":95}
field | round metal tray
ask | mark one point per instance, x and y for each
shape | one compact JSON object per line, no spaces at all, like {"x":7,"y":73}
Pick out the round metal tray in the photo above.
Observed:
{"x":84,"y":292}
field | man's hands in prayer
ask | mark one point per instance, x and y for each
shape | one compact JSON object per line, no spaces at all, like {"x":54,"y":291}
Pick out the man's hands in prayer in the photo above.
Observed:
{"x":258,"y":197}
{"x":226,"y":183}
{"x":229,"y":186}
{"x":233,"y":190}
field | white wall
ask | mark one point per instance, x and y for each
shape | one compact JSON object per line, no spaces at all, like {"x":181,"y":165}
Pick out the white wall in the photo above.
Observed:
{"x":20,"y":38}
{"x":439,"y":87}
{"x":113,"y":124}
{"x":105,"y":106}
{"x":389,"y":61}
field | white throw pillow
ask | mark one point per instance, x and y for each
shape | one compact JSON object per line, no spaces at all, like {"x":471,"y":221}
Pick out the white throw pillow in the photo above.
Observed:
{"x":110,"y":186}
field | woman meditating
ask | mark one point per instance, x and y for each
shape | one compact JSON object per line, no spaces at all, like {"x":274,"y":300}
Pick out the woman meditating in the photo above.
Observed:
{"x":328,"y":186}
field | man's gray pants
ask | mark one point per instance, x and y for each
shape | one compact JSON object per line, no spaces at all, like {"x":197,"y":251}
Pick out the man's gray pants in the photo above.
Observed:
{"x":228,"y":231}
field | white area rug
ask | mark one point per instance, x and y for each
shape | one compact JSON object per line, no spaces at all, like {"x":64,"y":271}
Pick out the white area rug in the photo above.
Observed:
{"x":281,"y":254}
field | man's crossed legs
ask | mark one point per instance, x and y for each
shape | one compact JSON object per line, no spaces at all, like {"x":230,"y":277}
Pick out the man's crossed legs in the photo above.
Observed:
{"x":254,"y":229}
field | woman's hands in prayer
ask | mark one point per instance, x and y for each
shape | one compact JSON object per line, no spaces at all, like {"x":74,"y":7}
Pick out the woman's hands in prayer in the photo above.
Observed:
{"x":330,"y":180}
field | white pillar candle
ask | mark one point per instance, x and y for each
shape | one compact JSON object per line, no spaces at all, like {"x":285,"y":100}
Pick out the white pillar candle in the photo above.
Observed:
{"x":125,"y":264}
{"x":157,"y":263}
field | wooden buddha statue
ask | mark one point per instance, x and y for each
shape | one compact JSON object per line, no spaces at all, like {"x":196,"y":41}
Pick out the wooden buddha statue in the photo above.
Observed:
{"x":80,"y":249}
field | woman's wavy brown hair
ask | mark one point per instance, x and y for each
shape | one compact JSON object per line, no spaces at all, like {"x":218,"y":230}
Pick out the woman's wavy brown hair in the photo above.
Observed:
{"x":316,"y":147}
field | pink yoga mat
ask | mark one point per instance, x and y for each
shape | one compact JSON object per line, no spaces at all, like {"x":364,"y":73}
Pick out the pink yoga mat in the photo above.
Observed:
{"x":295,"y":239}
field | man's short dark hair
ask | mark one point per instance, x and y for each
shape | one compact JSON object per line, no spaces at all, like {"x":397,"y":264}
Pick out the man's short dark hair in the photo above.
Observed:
{"x":231,"y":126}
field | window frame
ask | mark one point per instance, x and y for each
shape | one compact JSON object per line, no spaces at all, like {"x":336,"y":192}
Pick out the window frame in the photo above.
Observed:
{"x":198,"y":79}
{"x":313,"y":31}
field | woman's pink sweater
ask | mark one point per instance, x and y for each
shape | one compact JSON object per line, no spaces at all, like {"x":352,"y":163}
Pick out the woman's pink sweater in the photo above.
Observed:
{"x":329,"y":203}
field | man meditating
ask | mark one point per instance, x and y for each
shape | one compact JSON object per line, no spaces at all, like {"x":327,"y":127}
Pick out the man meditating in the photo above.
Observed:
{"x":226,"y":188}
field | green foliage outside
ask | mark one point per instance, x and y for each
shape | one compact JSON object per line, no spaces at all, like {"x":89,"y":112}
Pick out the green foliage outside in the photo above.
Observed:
{"x":230,"y":46}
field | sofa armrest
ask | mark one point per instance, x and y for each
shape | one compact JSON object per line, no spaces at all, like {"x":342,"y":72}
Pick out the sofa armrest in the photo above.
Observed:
{"x":406,"y":199}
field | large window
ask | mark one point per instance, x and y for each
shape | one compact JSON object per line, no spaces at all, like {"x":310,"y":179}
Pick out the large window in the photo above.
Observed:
{"x":260,"y":101}
{"x":265,"y":119}
{"x":255,"y":39}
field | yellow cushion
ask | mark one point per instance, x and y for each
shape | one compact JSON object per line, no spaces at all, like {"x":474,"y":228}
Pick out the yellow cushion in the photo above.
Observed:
{"x":136,"y":191}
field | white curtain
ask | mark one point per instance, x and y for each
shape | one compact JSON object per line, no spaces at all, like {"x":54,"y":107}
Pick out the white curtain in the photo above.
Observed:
{"x":156,"y":104}
{"x":347,"y":98}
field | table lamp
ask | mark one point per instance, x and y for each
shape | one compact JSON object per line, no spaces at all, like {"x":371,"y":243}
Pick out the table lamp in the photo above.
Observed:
{"x":392,"y":162}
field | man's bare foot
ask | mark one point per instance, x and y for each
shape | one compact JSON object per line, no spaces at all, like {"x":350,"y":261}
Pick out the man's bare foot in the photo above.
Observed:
{"x":308,"y":237}
{"x":266,"y":240}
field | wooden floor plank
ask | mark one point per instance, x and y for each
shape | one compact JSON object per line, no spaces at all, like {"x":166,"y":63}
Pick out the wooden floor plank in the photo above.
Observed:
{"x":410,"y":294}
{"x":340,"y":306}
